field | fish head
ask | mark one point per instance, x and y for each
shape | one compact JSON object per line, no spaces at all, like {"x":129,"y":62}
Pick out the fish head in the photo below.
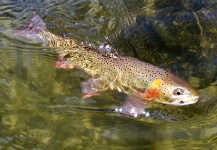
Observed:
{"x":174,"y":91}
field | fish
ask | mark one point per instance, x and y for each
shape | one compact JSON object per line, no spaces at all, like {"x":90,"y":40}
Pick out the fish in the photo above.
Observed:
{"x":142,"y":82}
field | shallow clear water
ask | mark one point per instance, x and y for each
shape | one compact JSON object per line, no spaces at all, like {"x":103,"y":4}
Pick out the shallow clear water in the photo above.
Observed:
{"x":41,"y":106}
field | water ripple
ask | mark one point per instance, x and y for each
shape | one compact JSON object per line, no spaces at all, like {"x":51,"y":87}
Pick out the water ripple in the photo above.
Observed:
{"x":41,"y":106}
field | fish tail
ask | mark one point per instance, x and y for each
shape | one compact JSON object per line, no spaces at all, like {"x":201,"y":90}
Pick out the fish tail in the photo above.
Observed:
{"x":32,"y":29}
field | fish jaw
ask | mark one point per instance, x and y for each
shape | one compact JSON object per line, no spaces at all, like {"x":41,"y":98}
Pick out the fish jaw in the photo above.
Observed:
{"x":170,"y":91}
{"x":180,"y":101}
{"x":188,"y":96}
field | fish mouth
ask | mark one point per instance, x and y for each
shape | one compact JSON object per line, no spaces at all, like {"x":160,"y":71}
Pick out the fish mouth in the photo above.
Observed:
{"x":181,"y":101}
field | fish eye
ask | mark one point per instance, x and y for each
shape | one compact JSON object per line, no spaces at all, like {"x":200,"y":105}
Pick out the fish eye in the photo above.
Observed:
{"x":178,"y":91}
{"x":181,"y":102}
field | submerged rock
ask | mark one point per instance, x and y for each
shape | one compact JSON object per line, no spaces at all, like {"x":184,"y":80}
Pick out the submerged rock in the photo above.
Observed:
{"x":179,"y":35}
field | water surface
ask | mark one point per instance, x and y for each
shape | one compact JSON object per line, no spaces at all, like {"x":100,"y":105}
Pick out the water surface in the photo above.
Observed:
{"x":41,"y":106}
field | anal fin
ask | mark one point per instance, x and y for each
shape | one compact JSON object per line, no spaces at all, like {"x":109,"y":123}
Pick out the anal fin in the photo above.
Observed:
{"x":64,"y":64}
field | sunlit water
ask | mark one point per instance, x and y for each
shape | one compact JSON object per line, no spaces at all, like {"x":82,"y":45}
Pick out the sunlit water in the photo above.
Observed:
{"x":41,"y":106}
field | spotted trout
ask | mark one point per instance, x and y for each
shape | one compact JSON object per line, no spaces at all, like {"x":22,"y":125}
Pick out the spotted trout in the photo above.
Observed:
{"x":141,"y":81}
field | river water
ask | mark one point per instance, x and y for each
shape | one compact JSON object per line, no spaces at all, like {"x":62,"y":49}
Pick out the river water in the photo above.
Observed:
{"x":41,"y":106}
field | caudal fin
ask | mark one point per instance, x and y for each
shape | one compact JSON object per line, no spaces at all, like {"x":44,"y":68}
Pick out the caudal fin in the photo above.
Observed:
{"x":32,"y":29}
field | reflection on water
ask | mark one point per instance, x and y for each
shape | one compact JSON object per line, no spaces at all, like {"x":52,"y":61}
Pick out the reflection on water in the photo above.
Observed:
{"x":41,"y":107}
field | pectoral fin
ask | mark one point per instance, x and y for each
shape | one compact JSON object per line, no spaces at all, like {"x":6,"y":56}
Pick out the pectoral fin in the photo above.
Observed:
{"x":134,"y":106}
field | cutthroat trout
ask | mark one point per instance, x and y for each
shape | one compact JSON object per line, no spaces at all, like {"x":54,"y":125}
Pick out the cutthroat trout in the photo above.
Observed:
{"x":143,"y":82}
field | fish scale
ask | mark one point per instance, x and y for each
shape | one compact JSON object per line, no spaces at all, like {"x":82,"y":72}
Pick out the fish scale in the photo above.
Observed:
{"x":109,"y":70}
